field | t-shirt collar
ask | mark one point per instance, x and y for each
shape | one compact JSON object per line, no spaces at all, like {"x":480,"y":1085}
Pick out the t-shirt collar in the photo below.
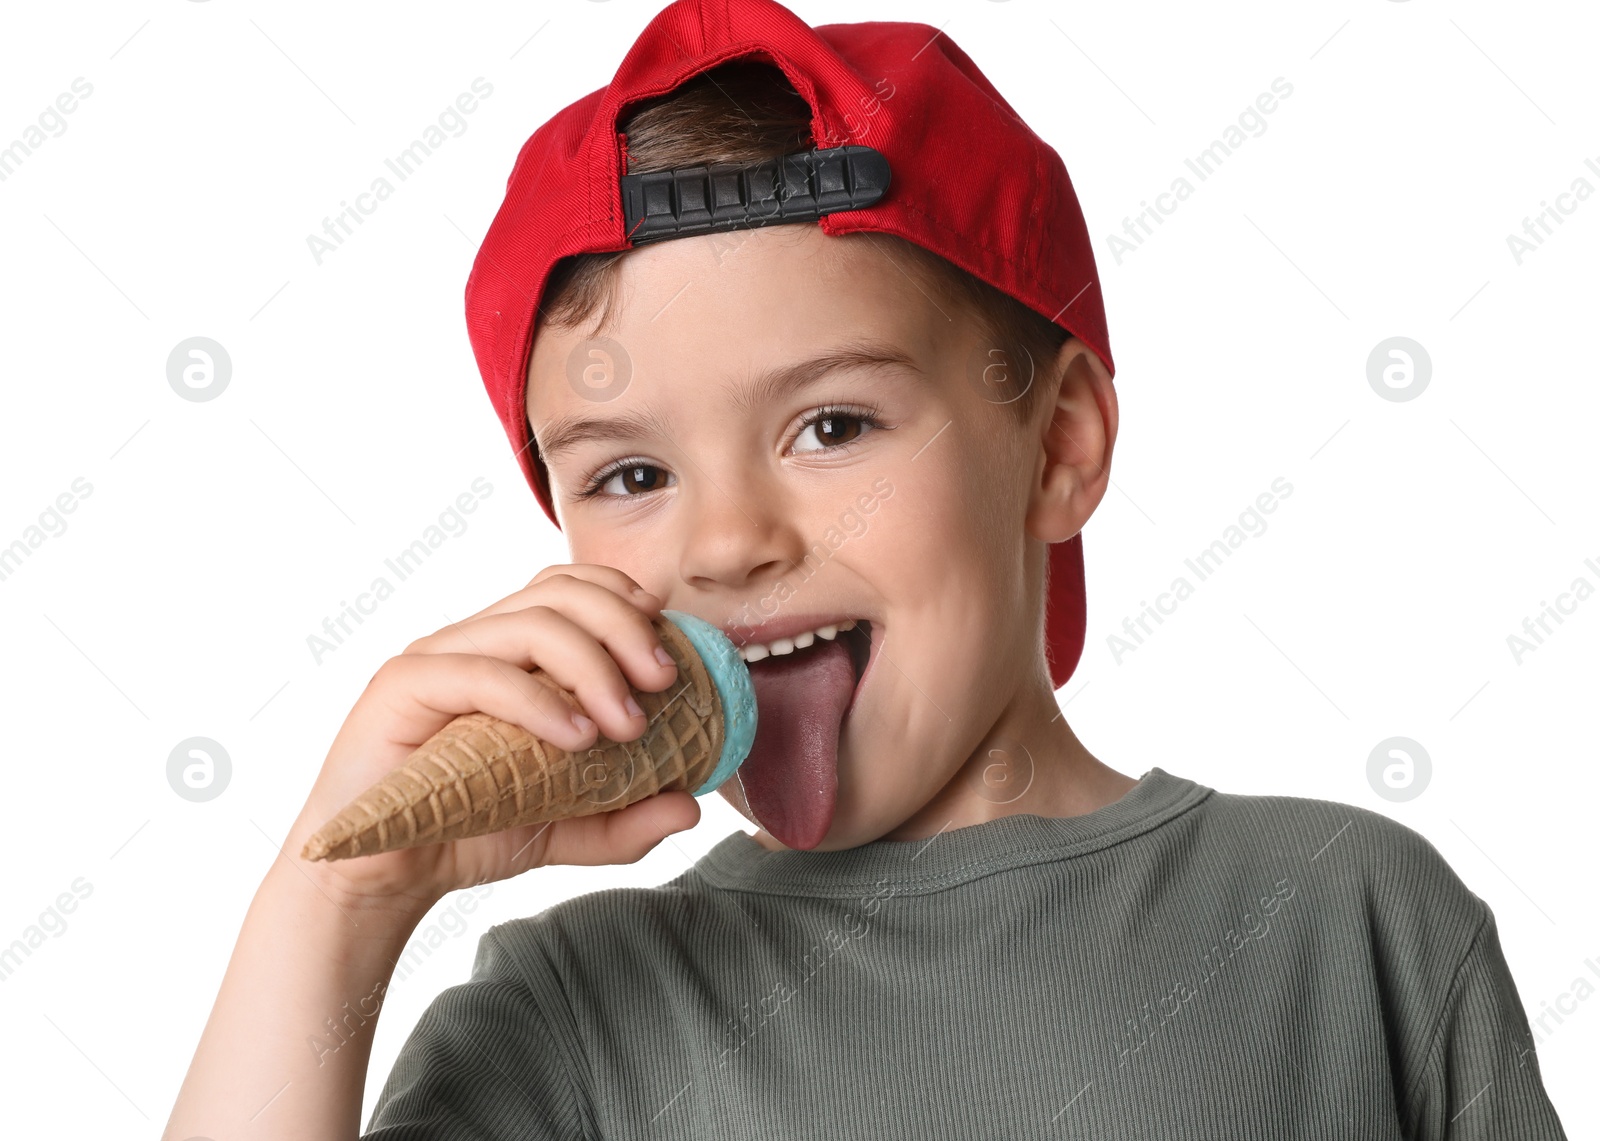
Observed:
{"x":951,"y":857}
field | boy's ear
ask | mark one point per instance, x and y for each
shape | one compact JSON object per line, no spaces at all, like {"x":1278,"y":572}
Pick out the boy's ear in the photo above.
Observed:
{"x":1072,"y":465}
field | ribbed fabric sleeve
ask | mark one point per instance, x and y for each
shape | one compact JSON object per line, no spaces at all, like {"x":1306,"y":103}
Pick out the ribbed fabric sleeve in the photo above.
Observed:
{"x":1182,"y":963}
{"x":1481,"y":1080}
{"x":483,"y":1062}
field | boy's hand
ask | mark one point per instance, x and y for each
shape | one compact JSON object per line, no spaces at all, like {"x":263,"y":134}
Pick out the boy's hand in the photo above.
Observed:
{"x":588,"y":627}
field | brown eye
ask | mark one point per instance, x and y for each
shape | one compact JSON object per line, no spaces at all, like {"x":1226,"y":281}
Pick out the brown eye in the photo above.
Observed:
{"x":834,"y":428}
{"x":639,"y":478}
{"x":634,"y":479}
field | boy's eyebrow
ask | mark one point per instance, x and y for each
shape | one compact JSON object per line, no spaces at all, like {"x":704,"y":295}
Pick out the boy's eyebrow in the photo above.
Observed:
{"x":776,"y":383}
{"x":567,"y":432}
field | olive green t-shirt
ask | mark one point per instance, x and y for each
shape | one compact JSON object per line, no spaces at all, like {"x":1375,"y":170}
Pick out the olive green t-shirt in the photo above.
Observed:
{"x":1182,"y":963}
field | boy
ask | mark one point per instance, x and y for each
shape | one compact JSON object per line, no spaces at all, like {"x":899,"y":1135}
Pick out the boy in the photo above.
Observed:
{"x":953,"y":920}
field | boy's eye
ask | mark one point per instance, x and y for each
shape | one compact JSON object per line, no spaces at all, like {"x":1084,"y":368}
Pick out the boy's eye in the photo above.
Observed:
{"x":831,"y":425}
{"x":836,"y":428}
{"x":632,"y":477}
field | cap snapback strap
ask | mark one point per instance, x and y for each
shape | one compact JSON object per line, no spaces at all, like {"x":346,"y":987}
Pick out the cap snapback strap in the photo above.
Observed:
{"x":797,"y":187}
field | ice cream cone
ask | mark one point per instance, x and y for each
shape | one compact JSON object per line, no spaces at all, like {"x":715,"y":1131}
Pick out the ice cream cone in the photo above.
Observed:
{"x":479,"y":774}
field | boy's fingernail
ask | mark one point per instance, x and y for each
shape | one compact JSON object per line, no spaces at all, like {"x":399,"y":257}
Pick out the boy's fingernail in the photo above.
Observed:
{"x":663,"y":657}
{"x":633,"y":706}
{"x":581,"y":723}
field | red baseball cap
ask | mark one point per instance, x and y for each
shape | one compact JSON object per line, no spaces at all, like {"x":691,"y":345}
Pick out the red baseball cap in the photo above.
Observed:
{"x":942,"y":161}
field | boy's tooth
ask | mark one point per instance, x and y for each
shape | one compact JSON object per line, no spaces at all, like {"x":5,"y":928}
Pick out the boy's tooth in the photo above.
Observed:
{"x":755,"y":651}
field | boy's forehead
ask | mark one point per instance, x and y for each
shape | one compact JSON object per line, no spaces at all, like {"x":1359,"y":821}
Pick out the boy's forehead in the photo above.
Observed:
{"x":715,"y":307}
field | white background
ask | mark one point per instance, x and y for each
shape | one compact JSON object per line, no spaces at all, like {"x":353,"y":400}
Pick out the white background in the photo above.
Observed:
{"x":219,"y":534}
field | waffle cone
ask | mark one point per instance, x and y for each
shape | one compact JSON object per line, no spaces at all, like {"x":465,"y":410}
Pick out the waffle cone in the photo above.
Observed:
{"x":479,"y":774}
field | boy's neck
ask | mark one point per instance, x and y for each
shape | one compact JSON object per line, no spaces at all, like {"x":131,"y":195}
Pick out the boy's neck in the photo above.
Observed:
{"x":1029,"y":762}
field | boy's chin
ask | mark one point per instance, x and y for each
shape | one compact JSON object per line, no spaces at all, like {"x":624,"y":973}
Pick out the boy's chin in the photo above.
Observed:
{"x":733,"y":793}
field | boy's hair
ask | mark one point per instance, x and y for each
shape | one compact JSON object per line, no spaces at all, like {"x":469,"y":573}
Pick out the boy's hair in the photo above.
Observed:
{"x":745,"y":111}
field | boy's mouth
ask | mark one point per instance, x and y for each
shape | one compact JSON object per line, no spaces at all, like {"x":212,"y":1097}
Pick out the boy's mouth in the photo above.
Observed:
{"x":862,"y":644}
{"x":856,"y":632}
{"x":803,"y":695}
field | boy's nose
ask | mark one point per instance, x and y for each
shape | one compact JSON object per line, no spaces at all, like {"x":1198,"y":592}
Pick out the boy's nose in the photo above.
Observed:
{"x":739,"y":534}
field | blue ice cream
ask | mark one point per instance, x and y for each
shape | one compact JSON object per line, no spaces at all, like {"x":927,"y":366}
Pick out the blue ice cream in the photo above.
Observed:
{"x":731,"y":677}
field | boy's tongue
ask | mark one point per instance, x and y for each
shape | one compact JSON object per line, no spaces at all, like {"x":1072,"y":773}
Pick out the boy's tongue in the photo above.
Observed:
{"x":791,"y":774}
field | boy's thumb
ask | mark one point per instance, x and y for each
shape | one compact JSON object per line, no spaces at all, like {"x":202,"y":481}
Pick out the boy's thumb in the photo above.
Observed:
{"x":677,"y":812}
{"x":653,"y":819}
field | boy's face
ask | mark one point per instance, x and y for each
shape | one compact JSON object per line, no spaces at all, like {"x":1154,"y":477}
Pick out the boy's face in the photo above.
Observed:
{"x":734,"y":508}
